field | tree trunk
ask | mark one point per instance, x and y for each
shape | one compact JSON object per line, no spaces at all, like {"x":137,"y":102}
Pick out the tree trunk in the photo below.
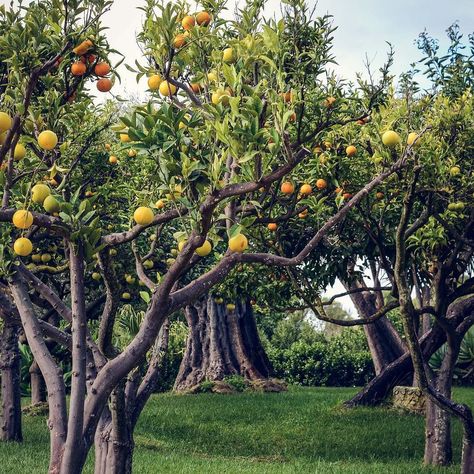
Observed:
{"x":381,"y":386}
{"x":10,"y":364}
{"x":113,"y":456}
{"x":38,"y":387}
{"x":221,"y":343}
{"x":113,"y":441}
{"x":384,"y":342}
{"x":438,"y":446}
{"x":467,"y":462}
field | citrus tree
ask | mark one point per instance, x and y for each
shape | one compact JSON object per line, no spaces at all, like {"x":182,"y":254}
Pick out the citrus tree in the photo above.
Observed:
{"x":417,"y":228}
{"x":223,"y":148}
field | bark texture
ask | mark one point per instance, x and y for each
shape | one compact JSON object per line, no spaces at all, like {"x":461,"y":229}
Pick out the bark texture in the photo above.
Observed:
{"x":384,"y":342}
{"x":381,"y":386}
{"x":221,"y":343}
{"x":438,"y":444}
{"x":10,"y":364}
{"x":38,"y":387}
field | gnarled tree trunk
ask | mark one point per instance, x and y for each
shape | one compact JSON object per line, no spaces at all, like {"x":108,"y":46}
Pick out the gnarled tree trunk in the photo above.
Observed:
{"x":113,"y":442}
{"x":221,"y":343}
{"x":10,"y":364}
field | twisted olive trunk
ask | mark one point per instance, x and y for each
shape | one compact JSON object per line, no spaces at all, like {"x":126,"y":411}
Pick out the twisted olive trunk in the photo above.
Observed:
{"x":221,"y":343}
{"x":10,"y":364}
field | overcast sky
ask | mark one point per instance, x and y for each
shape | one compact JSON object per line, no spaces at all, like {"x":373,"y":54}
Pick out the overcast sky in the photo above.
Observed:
{"x":364,"y":26}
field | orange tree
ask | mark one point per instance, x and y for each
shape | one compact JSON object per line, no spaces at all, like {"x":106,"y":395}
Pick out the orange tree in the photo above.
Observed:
{"x":222,"y":149}
{"x":416,"y":228}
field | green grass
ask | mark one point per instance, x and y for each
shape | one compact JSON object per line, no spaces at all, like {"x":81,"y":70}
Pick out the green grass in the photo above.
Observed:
{"x":302,"y":431}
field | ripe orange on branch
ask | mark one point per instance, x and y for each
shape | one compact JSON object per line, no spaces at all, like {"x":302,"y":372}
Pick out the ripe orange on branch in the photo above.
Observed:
{"x":351,"y":150}
{"x":83,"y":47}
{"x":143,"y":215}
{"x":104,"y":84}
{"x":47,"y":140}
{"x":287,"y":187}
{"x":203,"y":18}
{"x":23,"y":247}
{"x":179,"y":40}
{"x":188,"y":22}
{"x":101,"y":69}
{"x":22,"y":219}
{"x":78,"y":68}
{"x":238,"y":243}
{"x":154,"y":82}
{"x":5,"y":122}
{"x":167,"y":89}
{"x":321,"y":184}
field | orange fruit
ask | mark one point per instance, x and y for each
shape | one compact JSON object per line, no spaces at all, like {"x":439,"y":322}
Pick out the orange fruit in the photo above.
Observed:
{"x":303,"y":214}
{"x":306,"y":190}
{"x":238,"y":243}
{"x":101,"y":69}
{"x":167,"y":89}
{"x":188,"y":22}
{"x":83,"y":47}
{"x":287,"y":187}
{"x":287,"y":96}
{"x":179,"y":41}
{"x":347,"y":196}
{"x":203,"y":18}
{"x":196,"y":87}
{"x":23,"y":247}
{"x":321,"y":184}
{"x":113,"y":160}
{"x":351,"y":150}
{"x":329,"y":102}
{"x":22,"y":219}
{"x":104,"y":84}
{"x":379,"y":195}
{"x":272,"y":226}
{"x":143,"y":215}
{"x":78,"y":69}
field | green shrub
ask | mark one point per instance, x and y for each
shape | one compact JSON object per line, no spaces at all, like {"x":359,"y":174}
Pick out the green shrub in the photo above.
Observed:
{"x":342,"y":360}
{"x":206,"y":386}
{"x":237,"y":382}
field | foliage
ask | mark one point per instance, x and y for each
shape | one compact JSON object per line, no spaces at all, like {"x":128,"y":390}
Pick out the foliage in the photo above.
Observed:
{"x":464,"y":369}
{"x":303,"y":356}
{"x":237,"y":382}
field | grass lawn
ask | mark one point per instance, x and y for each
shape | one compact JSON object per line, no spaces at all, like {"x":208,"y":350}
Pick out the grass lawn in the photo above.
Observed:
{"x":302,"y":431}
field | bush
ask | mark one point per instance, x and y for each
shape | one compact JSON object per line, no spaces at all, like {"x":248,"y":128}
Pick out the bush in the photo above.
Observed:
{"x":237,"y":382}
{"x":342,"y":360}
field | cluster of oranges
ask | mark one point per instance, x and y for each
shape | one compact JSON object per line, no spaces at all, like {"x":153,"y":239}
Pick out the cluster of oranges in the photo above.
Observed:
{"x":89,"y":61}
